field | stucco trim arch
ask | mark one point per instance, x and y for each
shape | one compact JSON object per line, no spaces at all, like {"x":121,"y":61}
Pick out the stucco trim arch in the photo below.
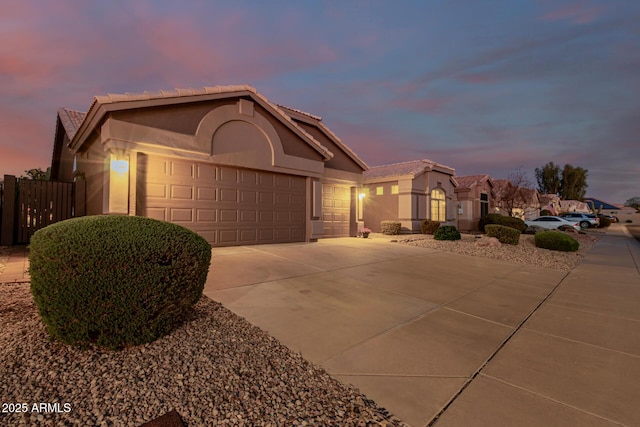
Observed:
{"x":216,"y":118}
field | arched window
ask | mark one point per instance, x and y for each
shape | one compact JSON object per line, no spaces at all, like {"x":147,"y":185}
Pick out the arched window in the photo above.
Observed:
{"x":438,"y":205}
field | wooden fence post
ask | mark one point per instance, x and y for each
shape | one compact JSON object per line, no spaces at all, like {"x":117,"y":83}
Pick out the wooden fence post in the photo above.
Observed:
{"x":8,"y":210}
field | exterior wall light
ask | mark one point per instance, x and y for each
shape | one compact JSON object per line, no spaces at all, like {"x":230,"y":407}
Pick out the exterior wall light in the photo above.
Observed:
{"x":361,"y":196}
{"x":119,"y":165}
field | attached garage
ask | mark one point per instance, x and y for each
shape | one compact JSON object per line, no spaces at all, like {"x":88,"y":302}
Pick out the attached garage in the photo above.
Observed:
{"x":226,"y":205}
{"x":221,"y":161}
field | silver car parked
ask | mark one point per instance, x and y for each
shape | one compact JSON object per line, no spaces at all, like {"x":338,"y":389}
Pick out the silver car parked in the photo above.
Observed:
{"x":553,"y":222}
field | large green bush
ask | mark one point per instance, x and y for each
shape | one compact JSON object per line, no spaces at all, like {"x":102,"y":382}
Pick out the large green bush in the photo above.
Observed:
{"x":390,"y":227}
{"x":556,"y":241}
{"x":507,"y":235}
{"x":115,"y":280}
{"x":429,"y":227}
{"x":507,"y":221}
{"x":447,"y":232}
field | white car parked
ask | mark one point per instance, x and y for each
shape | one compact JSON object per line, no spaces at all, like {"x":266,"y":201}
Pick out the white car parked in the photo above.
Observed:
{"x":553,"y":222}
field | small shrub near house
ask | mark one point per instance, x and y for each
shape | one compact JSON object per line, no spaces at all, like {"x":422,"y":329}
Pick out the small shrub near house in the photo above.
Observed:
{"x":556,"y":241}
{"x":504,"y":234}
{"x":115,"y":281}
{"x":447,"y":232}
{"x":545,"y":212}
{"x":507,"y":221}
{"x":628,"y":221}
{"x":604,"y":222}
{"x":390,"y":227}
{"x":429,"y":227}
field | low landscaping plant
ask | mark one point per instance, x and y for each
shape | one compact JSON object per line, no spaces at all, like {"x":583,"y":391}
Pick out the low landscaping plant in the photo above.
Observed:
{"x":545,"y":212}
{"x":507,"y":235}
{"x":447,"y":232}
{"x":604,"y":222}
{"x":390,"y":227}
{"x":429,"y":227}
{"x":115,"y":281}
{"x":507,"y":221}
{"x":556,"y":241}
{"x":628,"y":221}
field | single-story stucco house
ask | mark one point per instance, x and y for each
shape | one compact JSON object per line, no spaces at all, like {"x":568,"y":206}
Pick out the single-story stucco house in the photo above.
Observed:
{"x":408,"y":192}
{"x":222,"y":161}
{"x":475,"y":197}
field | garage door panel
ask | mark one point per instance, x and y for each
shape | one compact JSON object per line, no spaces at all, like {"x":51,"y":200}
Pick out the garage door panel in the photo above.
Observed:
{"x":205,"y":173}
{"x":181,"y":192}
{"x":180,"y":169}
{"x":225,"y":205}
{"x":157,"y":213}
{"x":267,"y":216}
{"x":265,"y":236}
{"x":228,"y":195}
{"x":227,"y":175}
{"x":248,"y":236}
{"x":249,"y":216}
{"x":336,"y":209}
{"x":248,"y":197}
{"x":180,"y":215}
{"x":206,"y":216}
{"x":249,"y":177}
{"x":227,"y":237}
{"x":228,"y":215}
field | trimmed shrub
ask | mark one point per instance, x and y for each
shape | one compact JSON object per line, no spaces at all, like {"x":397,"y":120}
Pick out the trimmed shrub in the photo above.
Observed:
{"x":504,"y":234}
{"x":390,"y":227}
{"x":556,"y":241}
{"x":429,"y":227}
{"x":447,"y":232}
{"x":604,"y":222}
{"x":628,"y":221}
{"x":507,"y":221}
{"x":115,"y":281}
{"x":545,"y":212}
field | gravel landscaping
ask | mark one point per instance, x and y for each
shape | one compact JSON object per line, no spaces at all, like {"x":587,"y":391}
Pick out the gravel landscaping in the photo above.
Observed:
{"x":216,"y":369}
{"x":523,"y":253}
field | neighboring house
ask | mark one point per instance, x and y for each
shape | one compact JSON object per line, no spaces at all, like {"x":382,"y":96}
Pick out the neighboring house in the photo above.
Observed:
{"x":513,"y":200}
{"x":556,"y":206}
{"x":609,"y":208}
{"x":475,"y":197}
{"x":222,"y":161}
{"x":408,"y":192}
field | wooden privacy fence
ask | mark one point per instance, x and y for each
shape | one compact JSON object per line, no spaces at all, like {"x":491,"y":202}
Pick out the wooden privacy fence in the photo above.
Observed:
{"x":29,"y":205}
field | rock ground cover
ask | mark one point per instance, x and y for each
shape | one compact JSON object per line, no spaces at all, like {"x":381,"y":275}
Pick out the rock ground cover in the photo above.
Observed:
{"x":216,"y":369}
{"x":525,"y":252}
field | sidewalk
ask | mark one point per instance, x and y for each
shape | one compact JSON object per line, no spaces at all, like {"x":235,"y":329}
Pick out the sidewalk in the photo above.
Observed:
{"x":16,"y":267}
{"x":576,"y":360}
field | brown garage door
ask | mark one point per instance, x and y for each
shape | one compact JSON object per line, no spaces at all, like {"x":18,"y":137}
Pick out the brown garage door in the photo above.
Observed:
{"x":336,"y":210}
{"x":226,"y":205}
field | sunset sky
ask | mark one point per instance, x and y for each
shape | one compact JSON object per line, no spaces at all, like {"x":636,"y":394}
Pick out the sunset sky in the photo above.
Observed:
{"x":481,"y":86}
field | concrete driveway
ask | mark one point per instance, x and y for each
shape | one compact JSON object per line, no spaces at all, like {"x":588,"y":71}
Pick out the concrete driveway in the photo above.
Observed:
{"x":440,"y":338}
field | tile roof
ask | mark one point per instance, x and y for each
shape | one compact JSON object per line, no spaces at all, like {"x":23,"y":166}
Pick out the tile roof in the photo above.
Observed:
{"x":412,"y":168}
{"x":317,"y":122}
{"x":169,"y":95}
{"x":470,"y":180}
{"x":71,"y":120}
